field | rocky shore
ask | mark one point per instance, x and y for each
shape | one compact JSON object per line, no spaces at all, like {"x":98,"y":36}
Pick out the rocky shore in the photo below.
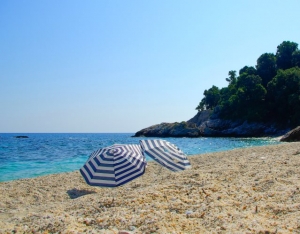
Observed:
{"x":249,"y":190}
{"x":208,"y":124}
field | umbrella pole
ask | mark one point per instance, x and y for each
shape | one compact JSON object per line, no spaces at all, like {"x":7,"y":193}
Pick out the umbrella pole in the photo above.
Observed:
{"x":114,"y":196}
{"x":113,"y":200}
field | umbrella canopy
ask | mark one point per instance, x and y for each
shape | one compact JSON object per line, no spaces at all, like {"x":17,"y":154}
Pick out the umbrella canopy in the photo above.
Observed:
{"x":166,"y":154}
{"x":114,"y":165}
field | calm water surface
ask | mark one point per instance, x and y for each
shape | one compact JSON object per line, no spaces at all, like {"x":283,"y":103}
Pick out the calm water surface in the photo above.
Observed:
{"x":42,"y":154}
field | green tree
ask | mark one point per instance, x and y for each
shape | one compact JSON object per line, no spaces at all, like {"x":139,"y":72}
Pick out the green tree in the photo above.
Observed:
{"x":296,"y":58}
{"x":201,"y":106}
{"x":226,"y":108}
{"x":251,"y":95}
{"x":284,"y":54}
{"x":232,"y":77}
{"x":248,"y":70}
{"x":210,"y":100}
{"x":266,"y":67}
{"x":284,"y":96}
{"x":245,"y":100}
{"x":252,"y":88}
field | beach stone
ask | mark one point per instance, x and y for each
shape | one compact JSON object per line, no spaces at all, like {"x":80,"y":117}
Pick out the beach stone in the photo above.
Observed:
{"x":293,"y":135}
{"x":124,"y":232}
{"x":188,"y":212}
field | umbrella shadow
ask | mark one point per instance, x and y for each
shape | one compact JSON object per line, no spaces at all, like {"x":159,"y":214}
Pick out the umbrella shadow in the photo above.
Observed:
{"x":75,"y":193}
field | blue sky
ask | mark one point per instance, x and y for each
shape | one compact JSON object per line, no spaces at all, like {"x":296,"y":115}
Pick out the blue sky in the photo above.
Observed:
{"x":120,"y":66}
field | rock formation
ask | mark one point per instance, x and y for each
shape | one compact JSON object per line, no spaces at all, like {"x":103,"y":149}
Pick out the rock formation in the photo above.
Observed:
{"x":183,"y":129}
{"x":208,"y":124}
{"x":293,"y":135}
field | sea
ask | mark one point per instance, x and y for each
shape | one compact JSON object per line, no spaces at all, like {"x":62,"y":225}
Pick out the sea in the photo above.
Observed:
{"x":49,"y":153}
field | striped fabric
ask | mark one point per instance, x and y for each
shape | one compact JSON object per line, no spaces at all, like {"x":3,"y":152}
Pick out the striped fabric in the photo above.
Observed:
{"x":114,"y":165}
{"x":166,"y":154}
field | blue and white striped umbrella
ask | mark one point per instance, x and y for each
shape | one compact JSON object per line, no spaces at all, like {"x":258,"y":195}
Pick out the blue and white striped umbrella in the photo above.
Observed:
{"x":114,"y":165}
{"x":166,"y":154}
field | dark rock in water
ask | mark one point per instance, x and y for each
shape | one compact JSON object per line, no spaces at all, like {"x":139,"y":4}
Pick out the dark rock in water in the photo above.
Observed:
{"x":21,"y":137}
{"x":293,"y":135}
{"x":208,"y":124}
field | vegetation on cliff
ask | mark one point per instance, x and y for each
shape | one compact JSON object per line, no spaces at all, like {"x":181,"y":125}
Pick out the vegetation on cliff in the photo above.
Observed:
{"x":268,"y":92}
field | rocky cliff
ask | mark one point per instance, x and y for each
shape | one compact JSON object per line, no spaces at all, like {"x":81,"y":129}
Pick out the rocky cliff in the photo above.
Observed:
{"x":208,"y":124}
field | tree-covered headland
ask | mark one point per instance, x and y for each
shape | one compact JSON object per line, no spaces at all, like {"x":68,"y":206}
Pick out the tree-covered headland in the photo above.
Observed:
{"x":266,"y":92}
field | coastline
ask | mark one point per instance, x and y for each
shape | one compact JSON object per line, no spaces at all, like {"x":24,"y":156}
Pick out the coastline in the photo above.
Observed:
{"x":51,"y":153}
{"x":255,"y":189}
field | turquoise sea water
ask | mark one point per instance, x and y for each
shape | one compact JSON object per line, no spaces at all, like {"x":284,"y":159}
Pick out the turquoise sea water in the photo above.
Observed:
{"x":48,"y":153}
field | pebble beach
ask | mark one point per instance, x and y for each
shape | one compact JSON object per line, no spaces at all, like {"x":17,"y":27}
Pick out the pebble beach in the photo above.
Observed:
{"x":246,"y":190}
